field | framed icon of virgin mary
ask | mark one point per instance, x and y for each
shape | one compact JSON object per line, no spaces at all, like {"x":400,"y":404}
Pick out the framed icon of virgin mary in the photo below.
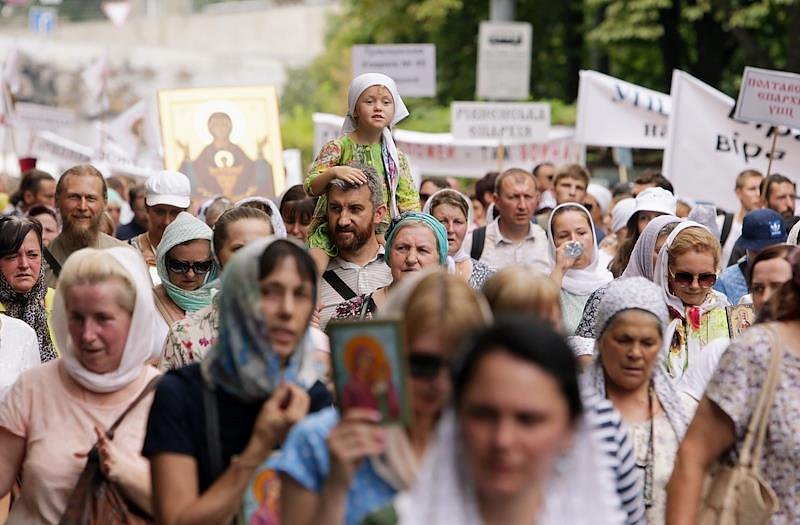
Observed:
{"x":226,"y":140}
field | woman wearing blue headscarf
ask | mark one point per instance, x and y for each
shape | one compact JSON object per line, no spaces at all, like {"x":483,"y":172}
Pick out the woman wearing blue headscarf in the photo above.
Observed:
{"x":213,"y":424}
{"x":414,"y":241}
{"x":186,"y":268}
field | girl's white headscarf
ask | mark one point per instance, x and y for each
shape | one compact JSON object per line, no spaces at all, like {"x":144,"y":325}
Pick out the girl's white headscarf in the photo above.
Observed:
{"x":145,"y":337}
{"x":360,"y":84}
{"x":462,"y":254}
{"x":581,"y":281}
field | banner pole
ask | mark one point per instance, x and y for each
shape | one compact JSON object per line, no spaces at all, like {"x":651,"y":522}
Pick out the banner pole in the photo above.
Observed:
{"x":772,"y":150}
{"x":501,"y":152}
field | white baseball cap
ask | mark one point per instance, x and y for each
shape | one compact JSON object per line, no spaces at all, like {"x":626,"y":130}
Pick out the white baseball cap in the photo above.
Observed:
{"x":168,"y":187}
{"x":621,"y":213}
{"x":658,"y":200}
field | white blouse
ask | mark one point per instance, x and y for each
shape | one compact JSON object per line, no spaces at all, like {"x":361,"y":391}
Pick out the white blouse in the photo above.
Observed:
{"x":19,"y":350}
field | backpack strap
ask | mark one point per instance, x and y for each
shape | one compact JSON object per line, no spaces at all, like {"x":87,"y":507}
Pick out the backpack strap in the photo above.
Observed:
{"x":478,"y":241}
{"x":339,"y":285}
{"x":726,"y":228}
{"x":52,"y":262}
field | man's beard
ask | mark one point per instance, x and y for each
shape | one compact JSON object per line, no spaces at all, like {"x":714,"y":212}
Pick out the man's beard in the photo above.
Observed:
{"x":351,"y":243}
{"x":78,"y":236}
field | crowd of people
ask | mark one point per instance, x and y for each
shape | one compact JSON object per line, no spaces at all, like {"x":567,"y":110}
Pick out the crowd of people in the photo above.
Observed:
{"x":574,"y":352}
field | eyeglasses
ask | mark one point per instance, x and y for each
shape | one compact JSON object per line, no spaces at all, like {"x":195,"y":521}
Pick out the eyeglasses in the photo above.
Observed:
{"x":705,"y":280}
{"x":425,"y":366}
{"x":199,"y":268}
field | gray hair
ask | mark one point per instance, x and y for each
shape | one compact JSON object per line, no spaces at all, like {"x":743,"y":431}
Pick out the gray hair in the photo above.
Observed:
{"x":373,"y":183}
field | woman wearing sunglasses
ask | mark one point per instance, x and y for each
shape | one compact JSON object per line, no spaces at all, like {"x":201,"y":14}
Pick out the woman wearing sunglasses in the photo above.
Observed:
{"x":337,"y":470}
{"x":686,"y":270}
{"x":186,"y":268}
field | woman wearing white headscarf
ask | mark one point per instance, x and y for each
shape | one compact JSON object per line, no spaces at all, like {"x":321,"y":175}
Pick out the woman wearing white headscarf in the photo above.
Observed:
{"x":577,"y":270}
{"x":271,"y":209}
{"x":686,"y":270}
{"x":374,"y":107}
{"x":631,"y":330}
{"x":186,"y":268}
{"x":107,"y":328}
{"x":454,"y":210}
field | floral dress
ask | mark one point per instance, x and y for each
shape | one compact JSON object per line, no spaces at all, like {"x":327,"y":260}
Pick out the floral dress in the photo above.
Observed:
{"x":190,"y":338}
{"x":664,"y":446}
{"x":480,"y":274}
{"x":735,"y":389}
{"x":341,"y":152}
{"x":359,"y":308}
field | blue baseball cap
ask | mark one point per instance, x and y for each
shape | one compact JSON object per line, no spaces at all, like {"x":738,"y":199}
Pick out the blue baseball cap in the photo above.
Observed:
{"x":761,"y":228}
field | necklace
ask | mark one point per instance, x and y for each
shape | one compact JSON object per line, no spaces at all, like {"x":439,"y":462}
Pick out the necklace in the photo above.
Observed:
{"x":649,"y":467}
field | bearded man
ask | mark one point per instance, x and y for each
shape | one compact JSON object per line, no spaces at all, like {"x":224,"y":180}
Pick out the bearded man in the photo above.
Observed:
{"x":354,"y":211}
{"x":81,"y":197}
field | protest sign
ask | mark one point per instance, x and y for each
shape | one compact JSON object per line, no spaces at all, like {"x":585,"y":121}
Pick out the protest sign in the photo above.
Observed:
{"x":411,"y":66}
{"x":707,"y":147}
{"x":769,"y":97}
{"x":504,"y":60}
{"x":442,"y":154}
{"x":507,"y":122}
{"x":41,"y":117}
{"x":615,"y":113}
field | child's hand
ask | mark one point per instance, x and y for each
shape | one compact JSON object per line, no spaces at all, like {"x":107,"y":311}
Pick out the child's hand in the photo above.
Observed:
{"x":351,"y":175}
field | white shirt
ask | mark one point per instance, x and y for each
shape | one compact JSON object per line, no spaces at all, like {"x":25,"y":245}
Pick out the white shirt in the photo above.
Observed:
{"x":733,"y":236}
{"x":532,"y":252}
{"x":361,"y":279}
{"x":19,"y":350}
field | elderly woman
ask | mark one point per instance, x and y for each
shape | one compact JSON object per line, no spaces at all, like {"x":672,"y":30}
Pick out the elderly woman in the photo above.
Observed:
{"x":504,"y":456}
{"x":186,"y":268}
{"x":107,"y":328}
{"x":641,"y":264}
{"x":573,"y":247}
{"x":23,"y":290}
{"x":190,"y":338}
{"x":631,"y":320}
{"x":454,"y":210}
{"x":414,"y":241}
{"x":337,"y":470}
{"x":213,"y":424}
{"x":718,"y":429}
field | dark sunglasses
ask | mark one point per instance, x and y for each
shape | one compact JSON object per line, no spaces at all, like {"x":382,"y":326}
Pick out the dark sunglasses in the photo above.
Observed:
{"x":588,"y":206}
{"x":705,"y":280}
{"x":423,"y":198}
{"x":425,"y":366}
{"x":199,"y":268}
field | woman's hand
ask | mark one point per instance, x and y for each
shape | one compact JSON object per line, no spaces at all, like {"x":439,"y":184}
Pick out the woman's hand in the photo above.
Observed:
{"x":348,"y":174}
{"x":355,"y":437}
{"x":565,"y":262}
{"x":287,"y":405}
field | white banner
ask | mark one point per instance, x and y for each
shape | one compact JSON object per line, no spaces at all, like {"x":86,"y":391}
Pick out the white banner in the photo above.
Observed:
{"x":440,"y":154}
{"x":615,"y":113}
{"x":504,"y":60}
{"x":511,"y":122}
{"x":411,"y":66}
{"x":707,"y":148}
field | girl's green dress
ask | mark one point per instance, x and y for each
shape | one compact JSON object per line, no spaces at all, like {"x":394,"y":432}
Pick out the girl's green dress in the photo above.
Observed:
{"x":341,"y":152}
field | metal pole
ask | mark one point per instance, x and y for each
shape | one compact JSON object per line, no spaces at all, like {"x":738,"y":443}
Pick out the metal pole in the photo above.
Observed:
{"x":502,"y":10}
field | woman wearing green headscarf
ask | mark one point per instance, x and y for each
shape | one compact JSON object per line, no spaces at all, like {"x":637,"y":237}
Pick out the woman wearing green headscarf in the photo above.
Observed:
{"x":414,"y":241}
{"x":186,"y":268}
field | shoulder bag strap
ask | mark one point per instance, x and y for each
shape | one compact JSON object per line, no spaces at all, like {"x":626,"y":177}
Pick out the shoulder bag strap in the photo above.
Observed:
{"x":756,"y":429}
{"x":726,"y":228}
{"x":52,"y":262}
{"x":478,"y":240}
{"x":151,"y":385}
{"x":213,"y":438}
{"x":339,"y":285}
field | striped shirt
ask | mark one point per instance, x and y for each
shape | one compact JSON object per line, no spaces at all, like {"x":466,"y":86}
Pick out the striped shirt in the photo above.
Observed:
{"x":613,"y":435}
{"x":361,"y":280}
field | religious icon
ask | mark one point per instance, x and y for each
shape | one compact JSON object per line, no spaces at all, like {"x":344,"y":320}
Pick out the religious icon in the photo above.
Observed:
{"x":369,"y":367}
{"x":226,"y":140}
{"x":740,"y":318}
{"x":261,"y":502}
